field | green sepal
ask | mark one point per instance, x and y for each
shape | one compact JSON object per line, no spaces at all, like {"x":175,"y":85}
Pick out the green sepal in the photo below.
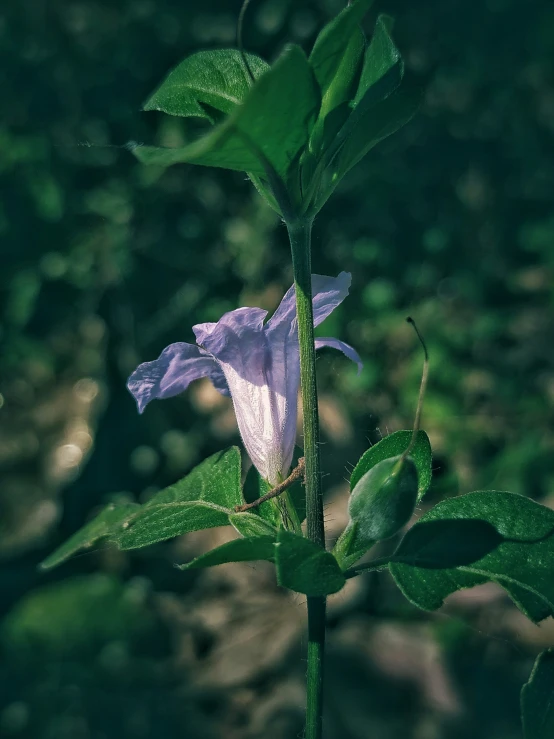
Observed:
{"x":393,"y":445}
{"x":256,"y":487}
{"x":250,"y":525}
{"x":537,"y":704}
{"x":238,"y":550}
{"x":305,"y":567}
{"x":101,"y":528}
{"x":381,"y":503}
{"x":208,"y":79}
{"x":350,"y":546}
{"x":482,"y":536}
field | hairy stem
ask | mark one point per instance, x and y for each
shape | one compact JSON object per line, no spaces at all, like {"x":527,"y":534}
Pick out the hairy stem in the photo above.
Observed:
{"x":300,"y":240}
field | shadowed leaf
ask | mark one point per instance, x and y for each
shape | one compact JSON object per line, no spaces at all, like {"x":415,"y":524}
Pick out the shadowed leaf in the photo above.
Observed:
{"x":306,"y":568}
{"x":392,"y":446}
{"x":537,"y":699}
{"x":238,"y":550}
{"x":475,"y":538}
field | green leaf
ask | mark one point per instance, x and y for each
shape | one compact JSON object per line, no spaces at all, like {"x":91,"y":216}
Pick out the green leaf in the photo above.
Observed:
{"x":381,"y":57}
{"x":102,"y":527}
{"x":201,"y":500}
{"x":218,"y":79}
{"x":334,"y":56}
{"x":153,"y":524}
{"x":362,"y":132}
{"x":351,"y":546}
{"x":393,"y":445}
{"x":255,"y":487}
{"x":273,"y":123}
{"x":216,"y":480}
{"x":292,"y":502}
{"x":475,"y":538}
{"x":250,"y":525}
{"x":238,"y":550}
{"x":537,"y":699}
{"x":304,"y":567}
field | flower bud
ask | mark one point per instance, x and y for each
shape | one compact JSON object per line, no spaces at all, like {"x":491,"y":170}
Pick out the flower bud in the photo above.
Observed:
{"x":384,"y":499}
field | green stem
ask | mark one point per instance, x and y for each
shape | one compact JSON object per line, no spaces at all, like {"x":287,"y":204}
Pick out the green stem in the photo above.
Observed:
{"x":300,"y":240}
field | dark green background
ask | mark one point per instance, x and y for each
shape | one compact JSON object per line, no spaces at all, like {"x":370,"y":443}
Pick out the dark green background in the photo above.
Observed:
{"x":105,"y":262}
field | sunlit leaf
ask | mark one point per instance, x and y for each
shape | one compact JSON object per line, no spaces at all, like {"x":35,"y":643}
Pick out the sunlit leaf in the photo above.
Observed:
{"x":393,"y":445}
{"x":216,"y":480}
{"x":537,"y":699}
{"x":156,"y":523}
{"x":100,"y":528}
{"x":216,"y":78}
{"x":201,"y":500}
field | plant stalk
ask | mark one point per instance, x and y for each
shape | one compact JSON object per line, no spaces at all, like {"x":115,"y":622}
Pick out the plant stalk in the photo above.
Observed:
{"x":300,"y":240}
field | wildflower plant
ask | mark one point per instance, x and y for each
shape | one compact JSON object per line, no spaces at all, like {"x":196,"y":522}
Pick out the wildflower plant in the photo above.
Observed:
{"x":296,"y":127}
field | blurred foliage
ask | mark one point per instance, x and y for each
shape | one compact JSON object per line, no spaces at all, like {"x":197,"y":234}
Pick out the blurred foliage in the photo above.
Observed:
{"x":105,"y":262}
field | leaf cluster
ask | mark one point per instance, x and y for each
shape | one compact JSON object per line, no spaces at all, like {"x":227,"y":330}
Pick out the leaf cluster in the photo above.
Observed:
{"x":298,"y":126}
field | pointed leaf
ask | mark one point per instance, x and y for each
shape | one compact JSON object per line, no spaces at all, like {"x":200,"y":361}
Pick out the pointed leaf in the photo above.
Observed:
{"x":250,"y":525}
{"x":238,"y":550}
{"x":362,"y":132}
{"x":272,"y":123}
{"x":475,"y":538}
{"x":304,"y":567}
{"x":537,"y":699}
{"x":381,"y":57}
{"x":215,"y":480}
{"x":102,"y":527}
{"x":391,"y":446}
{"x":331,"y":46}
{"x":156,"y":523}
{"x":216,"y":78}
{"x":201,"y":500}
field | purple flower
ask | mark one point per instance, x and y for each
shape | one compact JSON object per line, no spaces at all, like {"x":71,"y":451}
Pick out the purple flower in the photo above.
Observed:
{"x":256,"y":363}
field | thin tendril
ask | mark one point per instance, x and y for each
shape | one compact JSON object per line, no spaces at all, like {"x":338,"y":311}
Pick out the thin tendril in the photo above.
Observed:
{"x":240,"y":24}
{"x":422,"y":388}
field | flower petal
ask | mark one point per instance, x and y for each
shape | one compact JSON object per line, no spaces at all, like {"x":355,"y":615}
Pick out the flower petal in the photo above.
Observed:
{"x":346,"y":349}
{"x":328,"y":293}
{"x":263,"y":374}
{"x":231,"y":326}
{"x":176,"y":367}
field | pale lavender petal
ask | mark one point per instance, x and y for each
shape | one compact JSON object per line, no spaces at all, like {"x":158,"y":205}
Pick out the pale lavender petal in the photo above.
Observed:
{"x":176,"y":367}
{"x":328,"y":293}
{"x":263,"y":377}
{"x":346,"y":349}
{"x":235,"y":323}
